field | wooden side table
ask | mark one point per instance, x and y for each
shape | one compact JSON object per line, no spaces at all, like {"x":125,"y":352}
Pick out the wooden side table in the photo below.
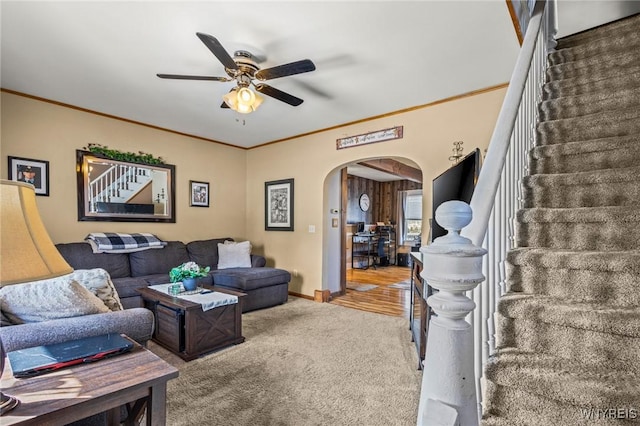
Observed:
{"x":74,"y":393}
{"x":185,"y":329}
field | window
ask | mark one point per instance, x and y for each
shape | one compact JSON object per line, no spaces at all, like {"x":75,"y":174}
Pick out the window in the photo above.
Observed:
{"x":411,"y":216}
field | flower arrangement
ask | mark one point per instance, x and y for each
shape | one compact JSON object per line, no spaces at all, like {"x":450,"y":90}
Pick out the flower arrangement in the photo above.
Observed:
{"x":187,"y":270}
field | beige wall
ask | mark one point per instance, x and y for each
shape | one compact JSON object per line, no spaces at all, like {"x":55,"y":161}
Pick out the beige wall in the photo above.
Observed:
{"x":428,"y":136}
{"x":45,"y":131}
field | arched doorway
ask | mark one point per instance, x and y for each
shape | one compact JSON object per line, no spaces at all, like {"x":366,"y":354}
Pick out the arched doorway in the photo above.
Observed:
{"x":369,"y":194}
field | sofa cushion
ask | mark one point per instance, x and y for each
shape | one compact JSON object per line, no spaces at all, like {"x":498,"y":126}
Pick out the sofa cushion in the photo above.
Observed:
{"x":258,"y":261}
{"x":205,"y":252}
{"x":245,"y":279}
{"x":81,"y":256}
{"x":158,"y":261}
{"x":47,"y":300}
{"x":126,"y":287}
{"x":98,"y":282}
{"x":234,"y":255}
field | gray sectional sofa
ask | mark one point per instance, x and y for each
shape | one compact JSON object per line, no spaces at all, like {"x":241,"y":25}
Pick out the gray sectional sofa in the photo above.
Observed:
{"x":264,"y":286}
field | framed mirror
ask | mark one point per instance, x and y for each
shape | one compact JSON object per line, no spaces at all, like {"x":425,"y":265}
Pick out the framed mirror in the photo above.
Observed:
{"x":119,"y":191}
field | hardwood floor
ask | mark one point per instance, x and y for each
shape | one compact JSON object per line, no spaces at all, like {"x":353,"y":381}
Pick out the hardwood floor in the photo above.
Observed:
{"x":382,"y":299}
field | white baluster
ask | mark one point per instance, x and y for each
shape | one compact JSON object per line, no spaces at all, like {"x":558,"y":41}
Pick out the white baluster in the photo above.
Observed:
{"x":452,"y":265}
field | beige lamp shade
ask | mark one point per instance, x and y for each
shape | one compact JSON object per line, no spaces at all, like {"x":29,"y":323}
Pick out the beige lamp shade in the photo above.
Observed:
{"x":26,"y":250}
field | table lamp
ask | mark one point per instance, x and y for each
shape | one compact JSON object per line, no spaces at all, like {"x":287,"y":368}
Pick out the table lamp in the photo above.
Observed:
{"x":26,"y":250}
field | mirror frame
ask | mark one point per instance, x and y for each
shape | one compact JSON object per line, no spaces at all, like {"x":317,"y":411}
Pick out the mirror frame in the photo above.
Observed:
{"x":84,"y":212}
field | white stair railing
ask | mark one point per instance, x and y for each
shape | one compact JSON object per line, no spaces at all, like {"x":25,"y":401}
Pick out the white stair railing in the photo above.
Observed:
{"x":496,"y":199}
{"x":118,"y":184}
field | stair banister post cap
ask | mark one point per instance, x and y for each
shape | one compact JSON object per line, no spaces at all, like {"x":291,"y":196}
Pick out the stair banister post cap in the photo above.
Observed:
{"x":453,"y":216}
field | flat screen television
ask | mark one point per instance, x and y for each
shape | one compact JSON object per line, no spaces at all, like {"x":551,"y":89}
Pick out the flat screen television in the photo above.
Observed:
{"x":455,"y":183}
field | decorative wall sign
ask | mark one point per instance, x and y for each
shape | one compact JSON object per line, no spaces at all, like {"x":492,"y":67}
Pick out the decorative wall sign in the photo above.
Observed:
{"x":372,"y":137}
{"x":35,"y":172}
{"x":278,"y":205}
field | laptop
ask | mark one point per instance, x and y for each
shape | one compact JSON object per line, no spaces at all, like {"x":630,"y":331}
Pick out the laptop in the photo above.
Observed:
{"x":38,"y":360}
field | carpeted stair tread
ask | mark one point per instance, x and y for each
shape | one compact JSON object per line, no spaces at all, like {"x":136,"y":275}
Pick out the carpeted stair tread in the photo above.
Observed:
{"x":591,"y":67}
{"x":585,"y":228}
{"x":592,"y":348}
{"x":609,"y":261}
{"x":575,"y":285}
{"x":597,"y":47}
{"x":517,"y":404}
{"x":607,"y":79}
{"x":611,"y":278}
{"x":595,"y":154}
{"x":590,"y":177}
{"x":596,"y":188}
{"x":564,"y":380}
{"x":580,"y":215}
{"x":589,"y":103}
{"x":612,"y":29}
{"x":520,"y":408}
{"x":592,"y":126}
{"x":585,"y":316}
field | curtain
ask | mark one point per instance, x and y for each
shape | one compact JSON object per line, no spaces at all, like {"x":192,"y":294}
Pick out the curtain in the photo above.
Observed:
{"x":410,"y":209}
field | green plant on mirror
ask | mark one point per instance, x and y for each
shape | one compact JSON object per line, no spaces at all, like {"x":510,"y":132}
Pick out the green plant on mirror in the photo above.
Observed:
{"x":130,"y":157}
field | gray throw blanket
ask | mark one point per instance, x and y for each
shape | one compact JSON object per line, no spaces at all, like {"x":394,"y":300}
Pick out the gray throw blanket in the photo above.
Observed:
{"x":114,"y":242}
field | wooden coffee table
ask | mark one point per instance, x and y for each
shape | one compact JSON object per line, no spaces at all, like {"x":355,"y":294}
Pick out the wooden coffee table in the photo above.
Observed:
{"x":74,"y":393}
{"x":185,"y":329}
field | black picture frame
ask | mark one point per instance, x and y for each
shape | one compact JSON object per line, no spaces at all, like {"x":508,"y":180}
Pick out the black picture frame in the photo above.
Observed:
{"x":278,"y":205}
{"x":37,"y":173}
{"x":199,"y":194}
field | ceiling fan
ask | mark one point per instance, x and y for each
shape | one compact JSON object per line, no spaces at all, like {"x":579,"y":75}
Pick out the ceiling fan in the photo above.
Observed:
{"x":243,"y":68}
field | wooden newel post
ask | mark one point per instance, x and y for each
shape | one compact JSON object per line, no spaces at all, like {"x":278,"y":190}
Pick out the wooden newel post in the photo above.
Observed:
{"x":453,"y":266}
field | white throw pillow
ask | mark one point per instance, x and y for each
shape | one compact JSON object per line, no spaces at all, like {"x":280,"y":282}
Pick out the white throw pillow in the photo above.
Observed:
{"x":98,"y":282}
{"x":47,"y":300}
{"x":234,"y":255}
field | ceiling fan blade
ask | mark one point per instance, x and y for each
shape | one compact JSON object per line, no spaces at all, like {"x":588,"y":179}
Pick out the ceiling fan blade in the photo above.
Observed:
{"x":216,"y":48}
{"x":193,"y":77}
{"x":278,"y":94}
{"x":292,"y":68}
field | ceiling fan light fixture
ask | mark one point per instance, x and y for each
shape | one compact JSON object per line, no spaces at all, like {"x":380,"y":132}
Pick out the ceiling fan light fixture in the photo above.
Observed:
{"x":243,"y":100}
{"x":246,"y":96}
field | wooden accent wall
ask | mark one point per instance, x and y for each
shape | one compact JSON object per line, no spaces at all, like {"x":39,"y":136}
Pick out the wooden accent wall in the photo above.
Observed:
{"x":383,"y":195}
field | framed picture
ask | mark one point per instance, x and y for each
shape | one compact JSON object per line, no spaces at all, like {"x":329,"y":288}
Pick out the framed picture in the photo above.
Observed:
{"x":278,"y":205}
{"x":199,"y":193}
{"x":35,"y":172}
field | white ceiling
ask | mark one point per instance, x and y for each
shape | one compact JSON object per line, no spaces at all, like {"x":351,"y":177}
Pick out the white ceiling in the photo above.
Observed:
{"x":372,"y":58}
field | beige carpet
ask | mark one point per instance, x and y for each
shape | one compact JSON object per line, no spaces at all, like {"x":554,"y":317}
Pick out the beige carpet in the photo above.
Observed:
{"x":303,"y":363}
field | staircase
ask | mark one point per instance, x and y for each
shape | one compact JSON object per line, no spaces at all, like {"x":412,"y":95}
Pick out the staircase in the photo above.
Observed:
{"x":568,"y":344}
{"x":118,"y":184}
